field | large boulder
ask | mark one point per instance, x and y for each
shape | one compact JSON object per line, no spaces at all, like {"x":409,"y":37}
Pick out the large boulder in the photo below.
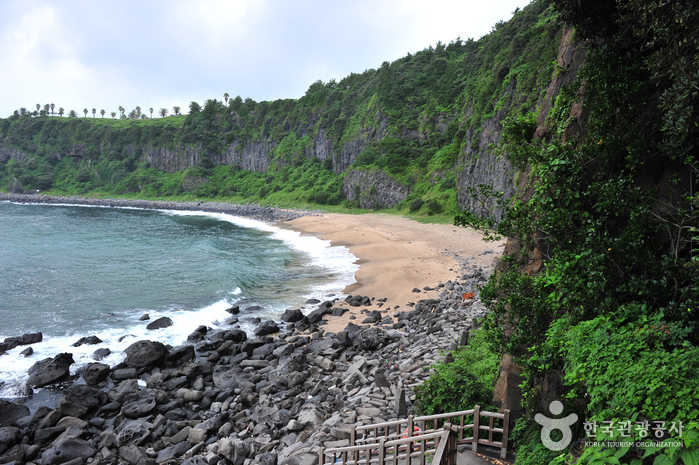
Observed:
{"x":89,"y":340}
{"x":266,"y":327}
{"x":140,"y":407}
{"x":23,"y":340}
{"x":10,"y":412}
{"x":311,"y":416}
{"x":291,"y":316}
{"x":134,"y":432}
{"x":65,"y":451}
{"x":234,"y":450}
{"x":162,"y":322}
{"x":235,"y":335}
{"x":9,"y":436}
{"x":79,"y":401}
{"x":95,"y":373}
{"x":145,"y":353}
{"x":50,"y":371}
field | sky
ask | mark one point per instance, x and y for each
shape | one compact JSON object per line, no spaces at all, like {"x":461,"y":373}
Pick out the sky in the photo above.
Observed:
{"x":156,"y":54}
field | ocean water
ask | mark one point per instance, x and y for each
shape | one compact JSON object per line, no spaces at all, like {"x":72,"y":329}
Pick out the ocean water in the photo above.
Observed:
{"x":73,"y":271}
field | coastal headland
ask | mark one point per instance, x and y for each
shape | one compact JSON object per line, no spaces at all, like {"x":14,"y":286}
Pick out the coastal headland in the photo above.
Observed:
{"x":295,"y":384}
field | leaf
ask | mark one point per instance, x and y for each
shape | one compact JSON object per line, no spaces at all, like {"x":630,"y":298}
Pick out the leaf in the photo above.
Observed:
{"x":690,"y":456}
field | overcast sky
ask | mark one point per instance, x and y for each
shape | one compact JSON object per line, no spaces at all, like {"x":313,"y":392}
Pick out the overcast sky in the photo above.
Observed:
{"x":106,"y":53}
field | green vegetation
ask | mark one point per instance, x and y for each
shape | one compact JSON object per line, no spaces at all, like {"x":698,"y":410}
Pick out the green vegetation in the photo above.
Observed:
{"x":612,"y":212}
{"x":465,"y":382}
{"x":411,"y":119}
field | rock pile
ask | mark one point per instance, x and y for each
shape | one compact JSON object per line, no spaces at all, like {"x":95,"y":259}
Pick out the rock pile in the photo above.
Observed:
{"x":274,"y":397}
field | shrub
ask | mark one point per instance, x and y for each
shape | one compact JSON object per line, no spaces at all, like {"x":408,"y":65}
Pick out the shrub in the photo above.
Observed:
{"x":415,"y":205}
{"x":434,"y":207}
{"x":465,"y":382}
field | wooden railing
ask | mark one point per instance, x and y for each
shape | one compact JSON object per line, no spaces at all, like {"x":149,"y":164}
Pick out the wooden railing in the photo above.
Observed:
{"x":422,"y":436}
{"x":441,"y":445}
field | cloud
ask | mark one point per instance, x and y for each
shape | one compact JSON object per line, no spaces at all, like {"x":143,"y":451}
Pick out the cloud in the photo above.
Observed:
{"x":159,"y":53}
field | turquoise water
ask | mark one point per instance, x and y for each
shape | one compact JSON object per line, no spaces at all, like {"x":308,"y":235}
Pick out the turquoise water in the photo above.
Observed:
{"x":71,"y":271}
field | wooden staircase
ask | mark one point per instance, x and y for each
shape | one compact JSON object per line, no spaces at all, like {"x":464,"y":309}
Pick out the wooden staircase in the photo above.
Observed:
{"x":417,"y":440}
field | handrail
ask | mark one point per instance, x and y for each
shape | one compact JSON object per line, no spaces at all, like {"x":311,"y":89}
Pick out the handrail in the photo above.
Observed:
{"x":378,"y":438}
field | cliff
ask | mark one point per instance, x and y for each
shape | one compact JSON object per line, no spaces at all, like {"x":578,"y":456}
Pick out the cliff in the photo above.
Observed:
{"x":426,"y":126}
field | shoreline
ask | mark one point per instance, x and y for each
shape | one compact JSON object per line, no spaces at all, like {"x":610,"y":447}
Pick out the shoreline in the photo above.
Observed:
{"x":285,"y":390}
{"x":398,"y":258}
{"x":257,"y":212}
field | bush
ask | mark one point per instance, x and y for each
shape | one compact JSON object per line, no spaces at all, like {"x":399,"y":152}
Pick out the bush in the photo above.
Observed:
{"x":415,"y":205}
{"x":463,"y":383}
{"x":434,"y":207}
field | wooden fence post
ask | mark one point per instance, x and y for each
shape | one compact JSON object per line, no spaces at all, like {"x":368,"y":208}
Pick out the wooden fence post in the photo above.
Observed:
{"x":476,"y":427}
{"x":505,"y":433}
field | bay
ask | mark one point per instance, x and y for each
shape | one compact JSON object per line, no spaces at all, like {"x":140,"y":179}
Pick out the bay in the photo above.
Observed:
{"x":73,"y":271}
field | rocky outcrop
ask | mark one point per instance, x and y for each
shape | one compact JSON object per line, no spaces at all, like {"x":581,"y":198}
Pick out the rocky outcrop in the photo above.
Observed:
{"x":373,"y":189}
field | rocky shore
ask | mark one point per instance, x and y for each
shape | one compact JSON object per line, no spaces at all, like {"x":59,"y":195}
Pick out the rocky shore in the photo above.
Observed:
{"x":253,"y":211}
{"x":273,"y":397}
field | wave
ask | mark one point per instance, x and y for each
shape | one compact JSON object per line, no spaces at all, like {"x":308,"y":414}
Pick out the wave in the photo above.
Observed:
{"x":338,"y":264}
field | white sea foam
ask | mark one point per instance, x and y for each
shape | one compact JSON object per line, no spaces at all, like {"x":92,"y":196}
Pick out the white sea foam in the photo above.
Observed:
{"x":337,"y":260}
{"x":339,"y":263}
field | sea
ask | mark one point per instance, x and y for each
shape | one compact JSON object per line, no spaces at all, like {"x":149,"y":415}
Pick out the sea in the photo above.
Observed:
{"x":73,"y":271}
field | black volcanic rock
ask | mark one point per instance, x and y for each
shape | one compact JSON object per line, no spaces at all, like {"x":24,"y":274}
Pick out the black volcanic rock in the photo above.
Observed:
{"x":144,"y":353}
{"x":89,"y":340}
{"x":49,"y":371}
{"x":292,"y":315}
{"x":162,"y":322}
{"x":10,"y":412}
{"x":23,"y":340}
{"x":267,"y":327}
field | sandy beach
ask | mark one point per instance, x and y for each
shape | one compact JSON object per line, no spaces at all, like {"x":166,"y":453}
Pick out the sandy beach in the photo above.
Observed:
{"x":397,"y":255}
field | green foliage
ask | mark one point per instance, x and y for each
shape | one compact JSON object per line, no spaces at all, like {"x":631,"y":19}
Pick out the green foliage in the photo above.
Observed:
{"x":517,"y":134}
{"x":416,"y":205}
{"x":434,"y":207}
{"x":643,"y":365}
{"x":411,"y":117}
{"x":465,"y":382}
{"x":604,"y":291}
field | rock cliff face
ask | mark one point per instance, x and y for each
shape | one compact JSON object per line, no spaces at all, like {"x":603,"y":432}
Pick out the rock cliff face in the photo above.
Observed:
{"x":508,"y":394}
{"x":373,"y":189}
{"x":480,"y":165}
{"x":7,"y":153}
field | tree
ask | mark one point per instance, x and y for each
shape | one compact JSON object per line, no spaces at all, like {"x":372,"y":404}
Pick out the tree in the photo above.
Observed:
{"x":38,"y":107}
{"x":113,"y":114}
{"x":61,"y":111}
{"x":52,"y":107}
{"x":72,"y":114}
{"x":138,"y":112}
{"x":22,"y":111}
{"x":85,"y":111}
{"x":176,"y":110}
{"x":102,"y":112}
{"x":151,"y":111}
{"x":121,"y":111}
{"x":194,"y":108}
{"x":47,"y":107}
{"x":94,"y":112}
{"x":226,"y":97}
{"x":163,"y":112}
